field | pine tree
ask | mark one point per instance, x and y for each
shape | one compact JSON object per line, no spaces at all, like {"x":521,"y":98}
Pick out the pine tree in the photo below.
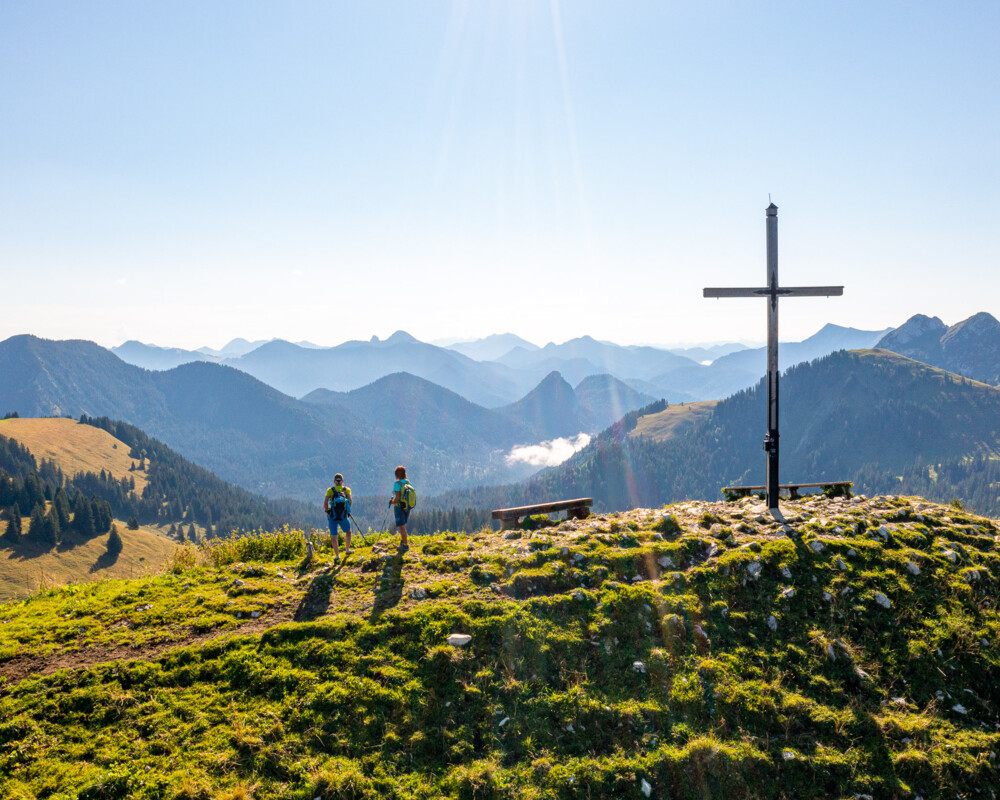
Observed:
{"x":36,"y":522}
{"x":132,"y":524}
{"x":192,"y":534}
{"x":115,"y":543}
{"x":61,"y":504}
{"x":83,"y":519}
{"x":14,"y":520}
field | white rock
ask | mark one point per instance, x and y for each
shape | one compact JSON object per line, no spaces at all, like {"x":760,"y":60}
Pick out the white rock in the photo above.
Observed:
{"x":852,"y":553}
{"x":418,"y":593}
{"x":638,"y":666}
{"x":884,"y":532}
{"x":459,"y":639}
{"x":951,"y":555}
{"x":579,"y":596}
{"x":827,"y":596}
{"x":754,"y":569}
{"x":958,"y":708}
{"x":971,"y":575}
{"x":647,"y":790}
{"x":238,"y":583}
{"x":831,"y":653}
{"x":254,"y":614}
{"x":839,"y":531}
{"x":882,"y":600}
{"x":817,"y":546}
{"x":772,"y":623}
{"x":912,"y":568}
{"x":503,"y":722}
{"x":788,"y":593}
{"x":786,"y":572}
{"x":665,"y":562}
{"x":840,"y":564}
{"x":788,"y":755}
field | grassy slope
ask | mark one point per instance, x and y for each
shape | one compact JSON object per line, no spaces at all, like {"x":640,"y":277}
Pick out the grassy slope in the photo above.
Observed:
{"x":78,"y":448}
{"x":673,"y":420}
{"x":756,"y":662}
{"x":26,"y":569}
{"x":74,"y":447}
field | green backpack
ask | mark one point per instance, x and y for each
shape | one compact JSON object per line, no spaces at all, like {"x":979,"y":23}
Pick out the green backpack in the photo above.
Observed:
{"x":407,"y":496}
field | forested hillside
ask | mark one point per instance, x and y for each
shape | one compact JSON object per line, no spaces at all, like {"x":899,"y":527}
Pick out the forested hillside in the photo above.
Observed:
{"x":870,"y":416}
{"x":174,"y":490}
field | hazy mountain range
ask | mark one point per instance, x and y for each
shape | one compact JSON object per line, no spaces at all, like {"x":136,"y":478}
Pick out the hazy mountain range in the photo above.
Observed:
{"x":256,"y":437}
{"x":500,"y":369}
{"x":252,"y":434}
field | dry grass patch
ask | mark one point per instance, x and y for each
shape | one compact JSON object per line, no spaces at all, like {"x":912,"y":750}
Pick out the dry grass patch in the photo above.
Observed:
{"x":74,"y":447}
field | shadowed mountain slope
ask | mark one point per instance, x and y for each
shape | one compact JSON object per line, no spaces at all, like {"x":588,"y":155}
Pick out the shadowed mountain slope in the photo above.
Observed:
{"x":970,"y":348}
{"x":867,"y":416}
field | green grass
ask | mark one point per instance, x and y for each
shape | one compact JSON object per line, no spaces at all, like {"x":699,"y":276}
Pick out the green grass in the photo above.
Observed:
{"x":592,"y":671}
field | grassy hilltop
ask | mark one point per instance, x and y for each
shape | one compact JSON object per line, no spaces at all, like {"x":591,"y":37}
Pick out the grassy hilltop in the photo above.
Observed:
{"x":696,"y":651}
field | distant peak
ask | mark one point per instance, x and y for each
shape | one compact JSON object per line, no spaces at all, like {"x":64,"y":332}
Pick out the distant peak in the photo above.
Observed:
{"x":400,"y":337}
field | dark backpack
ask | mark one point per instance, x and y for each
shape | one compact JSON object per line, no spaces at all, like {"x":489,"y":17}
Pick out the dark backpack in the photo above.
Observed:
{"x":338,"y":506}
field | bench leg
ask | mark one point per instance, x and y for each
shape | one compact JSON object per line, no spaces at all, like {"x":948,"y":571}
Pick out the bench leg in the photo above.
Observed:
{"x":510,"y":524}
{"x":578,"y":513}
{"x":793,"y":492}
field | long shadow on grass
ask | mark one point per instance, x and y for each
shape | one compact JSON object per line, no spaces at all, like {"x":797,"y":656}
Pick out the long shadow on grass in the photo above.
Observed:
{"x":104,"y":560}
{"x":317,"y":598}
{"x":389,"y":590}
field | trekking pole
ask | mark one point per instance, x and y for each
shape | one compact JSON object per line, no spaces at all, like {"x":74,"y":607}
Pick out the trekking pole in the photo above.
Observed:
{"x":363,"y":538}
{"x":382,"y":529}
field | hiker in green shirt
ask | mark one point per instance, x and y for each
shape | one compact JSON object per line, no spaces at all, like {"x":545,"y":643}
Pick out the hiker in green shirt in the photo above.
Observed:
{"x":402,"y":510}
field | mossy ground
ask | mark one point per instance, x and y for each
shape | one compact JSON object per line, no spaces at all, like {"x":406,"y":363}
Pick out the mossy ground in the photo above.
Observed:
{"x":698,"y":651}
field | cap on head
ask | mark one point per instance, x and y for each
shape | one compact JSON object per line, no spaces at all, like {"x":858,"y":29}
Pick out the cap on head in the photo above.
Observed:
{"x":338,"y":477}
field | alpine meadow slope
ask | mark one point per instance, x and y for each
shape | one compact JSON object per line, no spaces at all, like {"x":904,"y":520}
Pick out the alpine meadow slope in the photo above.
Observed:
{"x":700,"y":650}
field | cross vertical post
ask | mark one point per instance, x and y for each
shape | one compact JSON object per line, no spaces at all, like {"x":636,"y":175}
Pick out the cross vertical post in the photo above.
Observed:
{"x":772,"y":292}
{"x":771,"y":439}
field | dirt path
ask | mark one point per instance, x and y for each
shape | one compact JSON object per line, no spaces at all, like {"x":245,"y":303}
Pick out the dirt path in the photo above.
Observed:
{"x":317,"y":600}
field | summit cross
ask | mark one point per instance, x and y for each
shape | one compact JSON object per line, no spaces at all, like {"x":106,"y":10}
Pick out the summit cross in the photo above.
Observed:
{"x":772,"y":292}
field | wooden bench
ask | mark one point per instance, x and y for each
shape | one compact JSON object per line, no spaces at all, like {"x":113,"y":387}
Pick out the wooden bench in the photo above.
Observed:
{"x":832,"y":488}
{"x":575,"y":509}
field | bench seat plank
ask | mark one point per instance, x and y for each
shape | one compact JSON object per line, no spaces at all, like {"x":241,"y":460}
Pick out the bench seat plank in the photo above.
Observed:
{"x":578,"y":508}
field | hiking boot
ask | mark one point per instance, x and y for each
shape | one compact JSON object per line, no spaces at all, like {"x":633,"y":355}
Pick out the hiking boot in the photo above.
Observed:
{"x":347,"y":552}
{"x":336,"y":559}
{"x":403,"y":548}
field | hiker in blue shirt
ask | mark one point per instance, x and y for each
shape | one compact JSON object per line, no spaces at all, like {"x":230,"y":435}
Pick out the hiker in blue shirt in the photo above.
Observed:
{"x":337,"y":505}
{"x":398,"y":500}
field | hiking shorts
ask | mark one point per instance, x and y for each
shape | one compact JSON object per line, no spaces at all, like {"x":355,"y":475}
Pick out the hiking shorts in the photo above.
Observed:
{"x":344,"y":525}
{"x":401,"y":515}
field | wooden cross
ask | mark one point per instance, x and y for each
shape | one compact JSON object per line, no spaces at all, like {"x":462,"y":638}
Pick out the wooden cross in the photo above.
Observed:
{"x":773,"y":291}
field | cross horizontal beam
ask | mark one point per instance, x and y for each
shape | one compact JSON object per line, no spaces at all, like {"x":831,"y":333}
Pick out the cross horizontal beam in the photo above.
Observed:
{"x":783,"y":291}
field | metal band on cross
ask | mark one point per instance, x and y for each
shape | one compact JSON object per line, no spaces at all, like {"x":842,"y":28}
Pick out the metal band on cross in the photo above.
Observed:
{"x":772,"y":292}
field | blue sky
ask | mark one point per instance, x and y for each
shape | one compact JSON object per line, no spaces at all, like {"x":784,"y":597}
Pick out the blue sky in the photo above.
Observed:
{"x":187,"y":172}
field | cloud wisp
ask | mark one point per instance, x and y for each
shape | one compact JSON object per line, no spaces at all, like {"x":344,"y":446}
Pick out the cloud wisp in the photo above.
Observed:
{"x":550,"y":453}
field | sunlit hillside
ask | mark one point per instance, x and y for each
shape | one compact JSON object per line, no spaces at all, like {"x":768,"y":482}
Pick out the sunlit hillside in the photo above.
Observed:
{"x":75,"y":447}
{"x":696,"y":651}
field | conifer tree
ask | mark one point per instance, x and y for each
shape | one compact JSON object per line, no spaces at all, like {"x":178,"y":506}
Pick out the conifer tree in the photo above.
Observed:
{"x":61,"y":504}
{"x":115,"y":543}
{"x":36,"y":521}
{"x":132,"y":524}
{"x":192,"y":533}
{"x":14,"y":520}
{"x":83,"y":519}
{"x":12,"y":535}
